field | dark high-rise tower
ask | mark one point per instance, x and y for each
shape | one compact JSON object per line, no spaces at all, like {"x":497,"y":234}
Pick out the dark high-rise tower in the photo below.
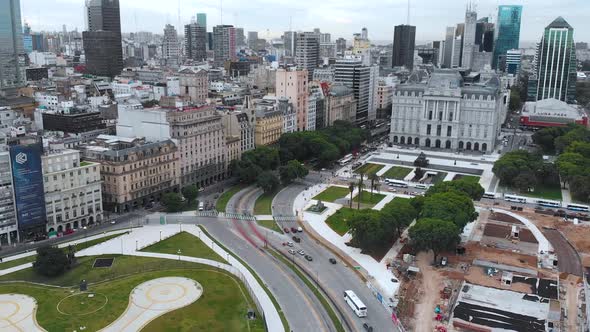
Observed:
{"x":195,"y":42}
{"x":102,"y":40}
{"x":11,"y":46}
{"x":404,"y":40}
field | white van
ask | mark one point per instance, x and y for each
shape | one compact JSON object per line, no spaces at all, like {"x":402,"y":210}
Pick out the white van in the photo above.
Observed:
{"x":421,"y":186}
{"x":201,"y":206}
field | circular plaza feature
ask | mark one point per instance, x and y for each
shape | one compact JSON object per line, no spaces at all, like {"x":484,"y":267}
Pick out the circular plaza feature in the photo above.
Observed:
{"x":154,"y":298}
{"x":82,"y":304}
{"x":17,"y":313}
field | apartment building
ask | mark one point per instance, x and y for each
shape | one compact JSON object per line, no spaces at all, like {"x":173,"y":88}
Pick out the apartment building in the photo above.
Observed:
{"x":291,"y":83}
{"x":269,"y":123}
{"x":194,"y":85}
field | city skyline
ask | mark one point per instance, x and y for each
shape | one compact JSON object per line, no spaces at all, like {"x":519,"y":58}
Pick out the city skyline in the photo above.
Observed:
{"x":342,"y":18}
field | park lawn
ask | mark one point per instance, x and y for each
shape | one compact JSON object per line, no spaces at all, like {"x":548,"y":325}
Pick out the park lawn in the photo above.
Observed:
{"x":397,"y":172}
{"x":546,"y":192}
{"x":226,"y":196}
{"x":439,"y":177}
{"x":369,"y":168}
{"x":30,"y":259}
{"x":263,"y":205}
{"x":222,"y":307}
{"x":367,"y":199}
{"x":270,"y":224}
{"x":188,"y":244}
{"x":338,"y":222}
{"x":332,"y":194}
{"x":470,"y":178}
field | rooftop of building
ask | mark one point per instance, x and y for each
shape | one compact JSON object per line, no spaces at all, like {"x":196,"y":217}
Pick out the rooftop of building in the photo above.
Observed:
{"x":111,"y":146}
{"x":340,"y":90}
{"x":552,"y":108}
{"x":559,"y":23}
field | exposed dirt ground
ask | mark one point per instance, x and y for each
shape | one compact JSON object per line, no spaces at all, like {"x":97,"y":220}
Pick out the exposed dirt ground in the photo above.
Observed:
{"x":571,"y":301}
{"x":432,"y":283}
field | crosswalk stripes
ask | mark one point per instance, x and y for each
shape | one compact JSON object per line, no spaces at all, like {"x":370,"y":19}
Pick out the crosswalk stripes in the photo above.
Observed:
{"x":285,"y":218}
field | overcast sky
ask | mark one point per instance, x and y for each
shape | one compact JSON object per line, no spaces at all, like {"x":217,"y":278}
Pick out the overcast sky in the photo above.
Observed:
{"x":342,"y":18}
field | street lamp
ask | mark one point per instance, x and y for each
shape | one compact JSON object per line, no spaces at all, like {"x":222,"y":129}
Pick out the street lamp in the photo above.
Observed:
{"x":179,"y":252}
{"x":180,"y":223}
{"x":160,"y":235}
{"x":136,"y":245}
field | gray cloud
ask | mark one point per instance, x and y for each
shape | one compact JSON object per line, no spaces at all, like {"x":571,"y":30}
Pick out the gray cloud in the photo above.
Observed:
{"x":342,"y":18}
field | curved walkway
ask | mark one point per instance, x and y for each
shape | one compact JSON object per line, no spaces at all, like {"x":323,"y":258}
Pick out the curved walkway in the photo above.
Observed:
{"x":154,"y":298}
{"x":17,"y":313}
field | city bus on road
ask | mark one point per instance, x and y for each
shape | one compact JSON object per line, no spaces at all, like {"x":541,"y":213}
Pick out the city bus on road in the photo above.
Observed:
{"x":355,"y":303}
{"x":514,"y":198}
{"x":548,"y":203}
{"x":489,"y":195}
{"x":345,"y":160}
{"x":397,"y":183}
{"x":578,"y":207}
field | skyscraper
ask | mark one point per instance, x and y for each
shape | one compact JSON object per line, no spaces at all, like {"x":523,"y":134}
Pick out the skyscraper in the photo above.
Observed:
{"x":102,"y":40}
{"x":353,"y":74}
{"x":252,"y":39}
{"x":449,"y":42}
{"x":469,"y":37}
{"x":555,"y":66}
{"x":195,"y":42}
{"x":170,"y":45}
{"x":289,"y":39}
{"x":240,"y":38}
{"x":307,"y":51}
{"x":507,"y":32}
{"x":12,"y":71}
{"x":202,"y":20}
{"x":224,"y":44}
{"x":340,"y":46}
{"x":404,"y":40}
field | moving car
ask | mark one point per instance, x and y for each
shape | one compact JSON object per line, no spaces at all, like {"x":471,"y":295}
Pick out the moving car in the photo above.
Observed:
{"x":299,"y":229}
{"x":301,"y":252}
{"x":309,"y":258}
{"x":293,"y":229}
{"x":332,"y":260}
{"x":286,"y":229}
{"x":296,"y":239}
{"x":292,"y":252}
{"x":289,"y":244}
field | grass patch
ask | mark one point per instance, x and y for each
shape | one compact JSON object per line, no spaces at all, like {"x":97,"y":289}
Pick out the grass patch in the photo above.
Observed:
{"x":397,"y":172}
{"x":188,"y":244}
{"x":79,"y":246}
{"x":367,"y":199}
{"x":262,"y":284}
{"x":270,"y":224}
{"x":338,"y":222}
{"x":439,"y":177}
{"x":263,"y":205}
{"x":332,"y":194}
{"x":314,"y":289}
{"x":226,"y":196}
{"x":85,"y":163}
{"x":470,"y":178}
{"x":369,"y":168}
{"x":546,"y":192}
{"x":222,"y":307}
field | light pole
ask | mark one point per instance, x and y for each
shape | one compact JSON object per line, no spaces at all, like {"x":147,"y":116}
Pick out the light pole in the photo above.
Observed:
{"x":121,"y":245}
{"x":136,"y":245}
{"x":160,"y":235}
{"x":180,"y":223}
{"x":179,"y":252}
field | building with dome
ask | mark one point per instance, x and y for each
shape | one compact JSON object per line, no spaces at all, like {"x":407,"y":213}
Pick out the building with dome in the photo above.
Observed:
{"x":445,"y":110}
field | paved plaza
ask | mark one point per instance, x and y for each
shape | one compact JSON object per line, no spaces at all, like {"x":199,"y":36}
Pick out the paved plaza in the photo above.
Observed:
{"x":153,"y":299}
{"x":17,"y":313}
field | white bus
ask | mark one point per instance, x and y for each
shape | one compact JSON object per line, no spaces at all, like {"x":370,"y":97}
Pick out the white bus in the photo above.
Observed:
{"x":514,"y":198}
{"x":345,"y":160}
{"x":397,"y":183}
{"x":489,"y":195}
{"x":548,"y":203}
{"x":355,"y":303}
{"x":578,"y":207}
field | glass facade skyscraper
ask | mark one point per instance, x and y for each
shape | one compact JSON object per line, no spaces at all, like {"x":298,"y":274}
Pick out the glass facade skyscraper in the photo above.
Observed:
{"x":507,"y":32}
{"x":555,"y":64}
{"x":102,"y":40}
{"x":202,"y":20}
{"x":12,"y":58}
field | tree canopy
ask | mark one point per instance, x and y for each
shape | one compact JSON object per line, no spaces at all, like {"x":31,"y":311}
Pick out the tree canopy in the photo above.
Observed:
{"x":51,"y":261}
{"x":471,"y":188}
{"x":172,"y":202}
{"x":434,"y":234}
{"x":453,"y":206}
{"x":291,"y":171}
{"x":524,"y":170}
{"x":190,"y":193}
{"x":268,"y":181}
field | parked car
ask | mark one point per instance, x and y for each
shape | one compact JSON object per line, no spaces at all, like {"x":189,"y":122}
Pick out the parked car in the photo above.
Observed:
{"x":332,"y":260}
{"x":309,"y":258}
{"x":444,"y":261}
{"x":301,"y":252}
{"x":296,"y":239}
{"x":293,"y":229}
{"x":300,"y":230}
{"x":292,"y":252}
{"x":289,"y":244}
{"x":286,"y":229}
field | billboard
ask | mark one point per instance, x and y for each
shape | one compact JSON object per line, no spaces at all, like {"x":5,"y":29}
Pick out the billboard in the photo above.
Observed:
{"x":27,"y":178}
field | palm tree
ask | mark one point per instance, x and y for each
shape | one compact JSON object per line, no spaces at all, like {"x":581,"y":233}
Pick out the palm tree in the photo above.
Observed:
{"x":351,"y":187}
{"x":360,"y":185}
{"x":374,"y":178}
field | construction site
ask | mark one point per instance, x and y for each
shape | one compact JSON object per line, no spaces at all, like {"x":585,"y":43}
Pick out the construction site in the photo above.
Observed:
{"x":513,"y":271}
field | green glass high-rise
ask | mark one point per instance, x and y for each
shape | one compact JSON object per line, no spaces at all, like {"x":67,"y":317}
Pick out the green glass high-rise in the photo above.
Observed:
{"x":555,"y":64}
{"x":202,"y":20}
{"x":11,"y":46}
{"x":507,"y":32}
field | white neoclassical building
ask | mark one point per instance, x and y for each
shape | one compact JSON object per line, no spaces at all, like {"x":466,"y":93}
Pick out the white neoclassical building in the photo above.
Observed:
{"x":444,"y":111}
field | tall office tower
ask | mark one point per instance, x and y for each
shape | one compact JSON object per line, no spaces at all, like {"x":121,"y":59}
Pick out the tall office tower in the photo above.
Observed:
{"x":513,"y":60}
{"x":12,"y":59}
{"x":195,"y":42}
{"x":325,"y":38}
{"x":353,"y":74}
{"x":507,"y":33}
{"x":240,"y":38}
{"x":307,"y":51}
{"x":449,"y":42}
{"x":340,"y":46}
{"x":170,"y":46}
{"x":484,"y":35}
{"x":224,"y":44}
{"x":202,"y":20}
{"x":252,"y":39}
{"x":289,"y":40}
{"x":404,"y":39}
{"x":365,"y":34}
{"x":469,"y":37}
{"x":556,"y":63}
{"x":102,"y":40}
{"x":291,"y":83}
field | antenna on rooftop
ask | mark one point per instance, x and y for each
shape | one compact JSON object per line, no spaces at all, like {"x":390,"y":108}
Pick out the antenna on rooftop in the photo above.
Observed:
{"x":179,"y":23}
{"x":408,"y":19}
{"x":221,"y":10}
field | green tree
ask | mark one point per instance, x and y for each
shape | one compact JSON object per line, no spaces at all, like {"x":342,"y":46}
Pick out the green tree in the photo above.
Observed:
{"x":515,"y":103}
{"x":452,"y":206}
{"x":51,"y":261}
{"x":545,"y":138}
{"x":576,"y":133}
{"x":172,"y":202}
{"x":190,"y":193}
{"x":374,"y":178}
{"x":471,"y":188}
{"x":291,"y":171}
{"x":525,"y":181}
{"x":397,"y":215}
{"x":417,"y":203}
{"x":351,"y":187}
{"x":367,"y":230}
{"x":268,"y":181}
{"x":360,"y":185}
{"x":511,"y":164}
{"x":434,"y":234}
